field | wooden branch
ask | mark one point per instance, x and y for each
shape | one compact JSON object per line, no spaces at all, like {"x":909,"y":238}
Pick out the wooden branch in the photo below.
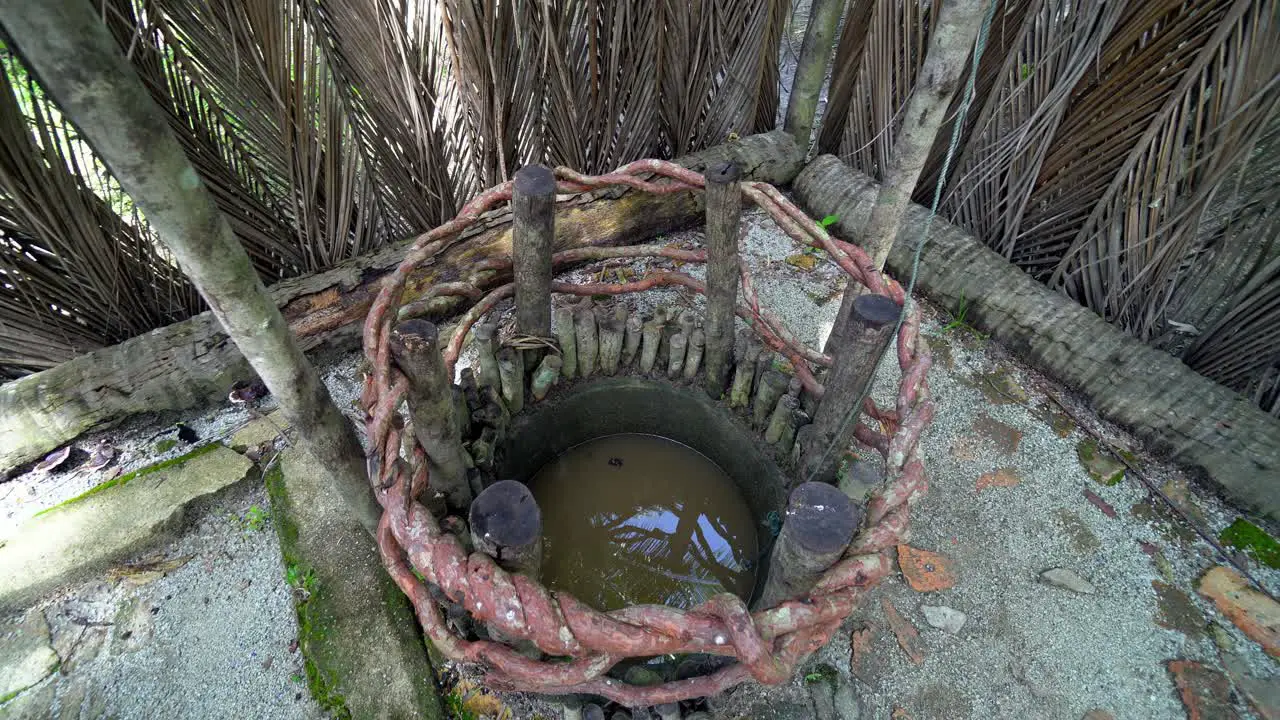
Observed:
{"x":415,"y":348}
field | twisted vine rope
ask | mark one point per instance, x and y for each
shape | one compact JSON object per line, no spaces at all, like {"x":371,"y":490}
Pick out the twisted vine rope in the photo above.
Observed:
{"x":769,"y":643}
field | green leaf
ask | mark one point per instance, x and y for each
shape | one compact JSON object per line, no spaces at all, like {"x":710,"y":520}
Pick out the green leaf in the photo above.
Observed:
{"x":828,"y":221}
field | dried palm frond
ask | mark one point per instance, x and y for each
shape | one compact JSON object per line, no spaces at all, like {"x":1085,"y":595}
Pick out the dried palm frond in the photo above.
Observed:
{"x":75,"y":274}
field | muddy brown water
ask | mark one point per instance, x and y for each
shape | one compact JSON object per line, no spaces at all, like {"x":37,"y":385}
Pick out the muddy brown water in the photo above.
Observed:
{"x":636,"y":519}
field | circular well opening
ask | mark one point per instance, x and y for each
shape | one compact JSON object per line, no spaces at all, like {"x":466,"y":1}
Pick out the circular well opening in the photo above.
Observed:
{"x":572,"y":437}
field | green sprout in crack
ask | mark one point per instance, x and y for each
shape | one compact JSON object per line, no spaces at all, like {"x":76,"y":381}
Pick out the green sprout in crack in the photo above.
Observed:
{"x":254,"y":519}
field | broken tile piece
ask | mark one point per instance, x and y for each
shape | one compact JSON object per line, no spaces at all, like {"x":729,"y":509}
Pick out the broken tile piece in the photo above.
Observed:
{"x":1257,"y":615}
{"x":1004,"y":477}
{"x":925,"y":571}
{"x":1205,"y":692}
{"x":908,"y":636}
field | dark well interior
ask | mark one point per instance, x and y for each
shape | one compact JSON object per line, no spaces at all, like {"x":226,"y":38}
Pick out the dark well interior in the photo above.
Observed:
{"x":612,"y":405}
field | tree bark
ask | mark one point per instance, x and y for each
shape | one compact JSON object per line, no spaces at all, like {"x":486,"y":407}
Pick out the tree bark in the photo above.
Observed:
{"x":724,"y":210}
{"x":193,"y":364}
{"x":1192,"y":419}
{"x":80,"y":66}
{"x":950,"y":43}
{"x":811,"y":69}
{"x":532,"y":244}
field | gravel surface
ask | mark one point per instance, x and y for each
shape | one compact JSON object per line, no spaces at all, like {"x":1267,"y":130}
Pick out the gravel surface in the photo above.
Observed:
{"x":212,"y":638}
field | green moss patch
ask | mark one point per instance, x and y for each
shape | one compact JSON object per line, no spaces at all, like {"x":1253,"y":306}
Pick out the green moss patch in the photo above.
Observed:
{"x":1100,"y":465}
{"x":130,"y":476}
{"x":1253,"y":541}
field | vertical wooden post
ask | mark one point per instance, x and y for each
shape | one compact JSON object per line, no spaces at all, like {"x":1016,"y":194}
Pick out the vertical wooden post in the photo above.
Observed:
{"x":610,"y":327}
{"x":533,"y":201}
{"x":545,"y":376}
{"x":486,"y":336}
{"x":568,"y":339}
{"x":511,"y":370}
{"x":506,"y":524}
{"x":724,"y":206}
{"x":863,"y":340}
{"x":415,"y":347}
{"x":652,"y":338}
{"x":746,"y":351}
{"x":693,"y":357}
{"x":631,"y":345}
{"x":584,"y":319}
{"x":818,"y":527}
{"x":773,"y":385}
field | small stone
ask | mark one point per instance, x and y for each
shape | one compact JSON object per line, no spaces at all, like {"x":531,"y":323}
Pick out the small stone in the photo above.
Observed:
{"x":1102,"y":467}
{"x":802,"y":261}
{"x":1098,"y":714}
{"x":26,"y":654}
{"x":944,"y":618}
{"x":53,"y":460}
{"x":1176,"y":611}
{"x":1069,"y":579}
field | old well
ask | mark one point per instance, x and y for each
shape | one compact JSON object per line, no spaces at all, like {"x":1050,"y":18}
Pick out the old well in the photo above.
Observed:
{"x":605,"y":486}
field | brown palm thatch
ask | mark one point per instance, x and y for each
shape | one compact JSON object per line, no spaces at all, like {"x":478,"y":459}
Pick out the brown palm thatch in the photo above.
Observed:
{"x":325,"y":128}
{"x":1122,"y":152}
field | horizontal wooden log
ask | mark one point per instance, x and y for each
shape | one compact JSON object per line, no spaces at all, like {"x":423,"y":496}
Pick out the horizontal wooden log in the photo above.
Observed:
{"x":1179,"y":413}
{"x":192,"y":364}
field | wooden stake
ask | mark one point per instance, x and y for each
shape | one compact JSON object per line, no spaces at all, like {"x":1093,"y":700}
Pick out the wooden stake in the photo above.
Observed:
{"x":631,"y":346}
{"x":584,"y":321}
{"x":780,"y":419}
{"x":545,"y":376}
{"x":592,"y":711}
{"x":511,"y":368}
{"x":415,"y":347}
{"x":746,"y":350}
{"x":610,"y":328}
{"x":668,"y":711}
{"x":675,"y":361}
{"x":652,"y":335}
{"x":506,"y":524}
{"x":773,"y":385}
{"x":818,"y":527}
{"x":486,"y":336}
{"x":724,"y":206}
{"x":693,"y":356}
{"x":533,"y":200}
{"x":863,"y":340}
{"x":568,"y":339}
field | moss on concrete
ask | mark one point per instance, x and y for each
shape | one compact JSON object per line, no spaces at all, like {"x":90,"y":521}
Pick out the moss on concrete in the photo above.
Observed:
{"x":1103,"y":468}
{"x":140,"y":472}
{"x":362,"y":651}
{"x":1252,"y":540}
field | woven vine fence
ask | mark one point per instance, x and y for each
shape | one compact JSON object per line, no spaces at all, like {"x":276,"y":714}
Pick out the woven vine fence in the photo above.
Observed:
{"x":584,"y":642}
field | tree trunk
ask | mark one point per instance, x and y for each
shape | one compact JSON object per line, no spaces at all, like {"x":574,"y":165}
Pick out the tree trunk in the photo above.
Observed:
{"x":811,"y":69}
{"x":80,"y":66}
{"x":193,"y":364}
{"x":1192,"y":419}
{"x":950,"y":43}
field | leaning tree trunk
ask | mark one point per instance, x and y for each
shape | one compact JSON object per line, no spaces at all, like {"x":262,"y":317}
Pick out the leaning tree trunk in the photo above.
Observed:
{"x":79,"y":64}
{"x":191,"y":364}
{"x":811,"y":69}
{"x":950,"y":42}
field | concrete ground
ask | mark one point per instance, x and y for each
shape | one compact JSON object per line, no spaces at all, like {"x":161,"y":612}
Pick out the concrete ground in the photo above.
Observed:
{"x":206,"y":628}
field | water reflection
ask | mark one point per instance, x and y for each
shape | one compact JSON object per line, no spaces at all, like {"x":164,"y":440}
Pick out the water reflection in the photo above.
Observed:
{"x":632,"y":519}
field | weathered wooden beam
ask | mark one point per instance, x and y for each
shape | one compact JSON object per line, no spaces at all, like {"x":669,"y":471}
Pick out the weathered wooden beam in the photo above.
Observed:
{"x":818,"y":527}
{"x":858,"y":347}
{"x":533,"y":201}
{"x":1175,"y":411}
{"x":193,"y":364}
{"x":416,"y":349}
{"x":724,"y":208}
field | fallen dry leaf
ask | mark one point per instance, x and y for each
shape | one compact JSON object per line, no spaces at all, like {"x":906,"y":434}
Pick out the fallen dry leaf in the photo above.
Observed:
{"x":1257,"y":615}
{"x":1099,"y":503}
{"x":1004,"y":477}
{"x":908,"y":636}
{"x":925,"y":571}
